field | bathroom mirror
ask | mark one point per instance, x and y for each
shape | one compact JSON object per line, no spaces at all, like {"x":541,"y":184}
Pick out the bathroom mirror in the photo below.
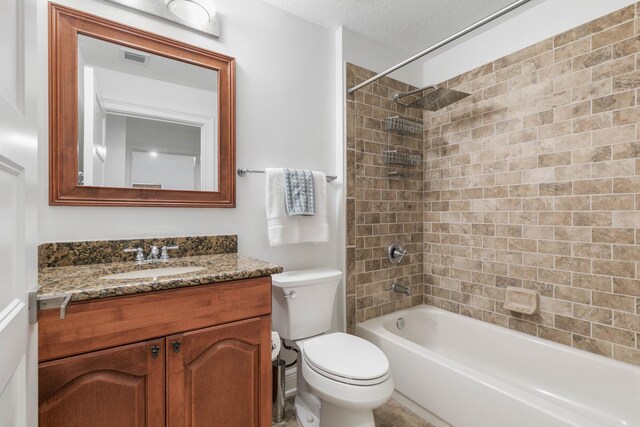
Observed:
{"x":137,"y":119}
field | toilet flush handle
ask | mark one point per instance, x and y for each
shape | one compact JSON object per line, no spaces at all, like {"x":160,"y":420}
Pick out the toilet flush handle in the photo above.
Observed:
{"x":291,"y":295}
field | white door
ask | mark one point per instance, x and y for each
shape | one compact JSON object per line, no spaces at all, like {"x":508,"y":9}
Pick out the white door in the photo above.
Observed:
{"x":18,"y":213}
{"x":94,"y":130}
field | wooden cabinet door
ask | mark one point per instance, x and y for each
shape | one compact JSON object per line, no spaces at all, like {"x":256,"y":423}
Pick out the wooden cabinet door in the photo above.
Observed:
{"x":121,"y":386}
{"x":220,"y":376}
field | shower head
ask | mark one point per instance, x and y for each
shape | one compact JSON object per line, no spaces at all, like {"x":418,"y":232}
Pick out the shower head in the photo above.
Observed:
{"x":435,"y":100}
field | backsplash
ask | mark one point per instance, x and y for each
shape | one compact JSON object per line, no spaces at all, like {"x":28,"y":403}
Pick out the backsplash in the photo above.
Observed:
{"x":380,"y":210}
{"x":534,"y":181}
{"x":102,"y":251}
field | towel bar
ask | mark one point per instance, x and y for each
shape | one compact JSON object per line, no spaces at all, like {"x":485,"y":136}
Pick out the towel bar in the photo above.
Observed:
{"x":244,"y":171}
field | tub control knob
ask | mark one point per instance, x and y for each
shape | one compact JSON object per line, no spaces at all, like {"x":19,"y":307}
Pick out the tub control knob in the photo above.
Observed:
{"x":396,"y":252}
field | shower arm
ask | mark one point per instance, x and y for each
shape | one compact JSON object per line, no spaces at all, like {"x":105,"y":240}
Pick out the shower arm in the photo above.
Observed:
{"x":444,"y":42}
{"x":398,"y":96}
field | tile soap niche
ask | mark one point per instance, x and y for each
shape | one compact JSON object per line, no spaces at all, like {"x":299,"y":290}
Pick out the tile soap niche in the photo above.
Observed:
{"x":392,"y":157}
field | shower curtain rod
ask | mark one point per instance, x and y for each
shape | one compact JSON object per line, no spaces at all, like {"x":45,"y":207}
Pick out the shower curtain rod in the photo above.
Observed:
{"x":444,"y":42}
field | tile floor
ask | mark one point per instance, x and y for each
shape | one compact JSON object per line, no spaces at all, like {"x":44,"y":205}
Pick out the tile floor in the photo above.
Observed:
{"x":393,"y":414}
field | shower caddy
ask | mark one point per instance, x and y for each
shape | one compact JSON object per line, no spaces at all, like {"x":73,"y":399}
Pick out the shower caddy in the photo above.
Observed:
{"x":401,"y":126}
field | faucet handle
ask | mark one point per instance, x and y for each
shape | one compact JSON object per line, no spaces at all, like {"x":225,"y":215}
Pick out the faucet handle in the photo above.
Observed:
{"x":138,"y":251}
{"x":395,"y":252}
{"x":165,"y":254}
{"x":399,"y":253}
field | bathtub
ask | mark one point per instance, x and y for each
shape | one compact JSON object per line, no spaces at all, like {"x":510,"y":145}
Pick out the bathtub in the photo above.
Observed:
{"x":458,"y":371}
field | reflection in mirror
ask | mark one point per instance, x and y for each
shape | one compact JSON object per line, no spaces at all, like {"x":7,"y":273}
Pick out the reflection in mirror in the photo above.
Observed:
{"x":144,"y":120}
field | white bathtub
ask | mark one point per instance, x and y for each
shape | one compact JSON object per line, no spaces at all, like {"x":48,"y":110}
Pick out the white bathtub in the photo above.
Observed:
{"x":467,"y":373}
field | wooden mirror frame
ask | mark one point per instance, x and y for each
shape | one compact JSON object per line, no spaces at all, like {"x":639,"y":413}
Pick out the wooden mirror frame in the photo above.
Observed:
{"x":65,"y":24}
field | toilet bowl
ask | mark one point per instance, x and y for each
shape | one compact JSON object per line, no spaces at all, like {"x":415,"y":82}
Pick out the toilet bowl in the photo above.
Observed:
{"x":351,"y":377}
{"x":341,"y":377}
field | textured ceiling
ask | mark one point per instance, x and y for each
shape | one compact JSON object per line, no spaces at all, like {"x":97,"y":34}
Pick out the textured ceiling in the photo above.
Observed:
{"x":406,"y":25}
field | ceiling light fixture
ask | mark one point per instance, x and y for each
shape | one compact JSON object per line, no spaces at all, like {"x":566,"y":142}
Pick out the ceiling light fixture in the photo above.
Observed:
{"x":196,"y":12}
{"x":198,"y":15}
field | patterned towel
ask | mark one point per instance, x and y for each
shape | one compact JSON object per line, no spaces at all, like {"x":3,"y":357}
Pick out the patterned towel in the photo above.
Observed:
{"x":299,"y":192}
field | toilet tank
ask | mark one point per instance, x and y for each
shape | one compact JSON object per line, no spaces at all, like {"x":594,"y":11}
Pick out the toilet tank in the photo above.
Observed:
{"x":302,"y":302}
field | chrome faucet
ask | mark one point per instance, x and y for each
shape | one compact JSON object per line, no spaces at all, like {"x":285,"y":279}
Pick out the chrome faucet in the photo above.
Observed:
{"x":153,"y":254}
{"x":399,"y":289}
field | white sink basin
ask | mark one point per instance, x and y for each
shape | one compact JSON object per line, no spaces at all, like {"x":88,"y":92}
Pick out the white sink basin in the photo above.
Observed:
{"x":153,"y":272}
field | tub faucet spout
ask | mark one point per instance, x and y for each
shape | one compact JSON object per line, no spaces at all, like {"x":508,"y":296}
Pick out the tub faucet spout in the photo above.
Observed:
{"x":399,"y":289}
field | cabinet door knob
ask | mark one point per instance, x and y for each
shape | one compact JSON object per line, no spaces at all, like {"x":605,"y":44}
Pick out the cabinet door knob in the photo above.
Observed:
{"x":155,"y":351}
{"x":176,"y":346}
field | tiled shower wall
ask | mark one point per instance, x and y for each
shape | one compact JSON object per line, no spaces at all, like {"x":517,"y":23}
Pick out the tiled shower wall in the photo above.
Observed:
{"x":380,"y":210}
{"x":534,"y":181}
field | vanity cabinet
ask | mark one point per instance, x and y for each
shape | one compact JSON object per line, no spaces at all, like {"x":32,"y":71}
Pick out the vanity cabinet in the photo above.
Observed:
{"x":122,"y":386}
{"x":197,"y":356}
{"x":204,"y":387}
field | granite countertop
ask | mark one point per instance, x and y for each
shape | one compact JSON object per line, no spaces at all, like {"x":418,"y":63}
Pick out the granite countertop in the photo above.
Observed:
{"x":85,"y":282}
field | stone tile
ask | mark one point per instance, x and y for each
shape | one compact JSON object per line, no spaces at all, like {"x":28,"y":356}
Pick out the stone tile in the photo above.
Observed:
{"x":626,"y":286}
{"x":613,"y":235}
{"x":614,"y":335}
{"x":592,"y":345}
{"x":626,"y":185}
{"x":626,"y":81}
{"x":593,"y":186}
{"x":592,"y":250}
{"x":626,"y":116}
{"x":614,"y":268}
{"x":626,"y":354}
{"x":613,"y":135}
{"x":596,"y":57}
{"x":612,"y":35}
{"x":555,"y":335}
{"x":616,"y":101}
{"x":592,"y":314}
{"x":626,"y":321}
{"x":532,"y":181}
{"x":589,"y":281}
{"x":626,"y":150}
{"x":626,"y":219}
{"x":569,"y":324}
{"x":626,"y":47}
{"x":614,"y":69}
{"x":569,"y":293}
{"x":613,"y":301}
{"x":612,"y":203}
{"x":590,"y":155}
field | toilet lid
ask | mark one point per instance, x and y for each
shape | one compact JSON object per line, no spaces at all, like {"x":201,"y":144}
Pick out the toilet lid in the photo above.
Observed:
{"x":347,"y":357}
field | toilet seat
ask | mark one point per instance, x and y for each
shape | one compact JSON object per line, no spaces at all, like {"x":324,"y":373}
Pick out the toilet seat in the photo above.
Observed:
{"x":347,"y":359}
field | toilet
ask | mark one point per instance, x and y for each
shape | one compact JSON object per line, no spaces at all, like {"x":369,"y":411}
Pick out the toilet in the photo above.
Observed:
{"x":341,"y":378}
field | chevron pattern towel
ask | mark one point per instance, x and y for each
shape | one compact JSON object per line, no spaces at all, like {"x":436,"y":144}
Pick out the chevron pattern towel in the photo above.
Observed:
{"x":299,"y":192}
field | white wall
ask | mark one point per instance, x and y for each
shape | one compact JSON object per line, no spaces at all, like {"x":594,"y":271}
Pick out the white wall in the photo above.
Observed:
{"x":377,"y":57}
{"x":285,"y":117}
{"x":518,"y":30}
{"x":157,"y":94}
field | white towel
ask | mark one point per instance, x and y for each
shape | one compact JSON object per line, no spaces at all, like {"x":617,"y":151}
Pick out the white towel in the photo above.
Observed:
{"x":283,"y":229}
